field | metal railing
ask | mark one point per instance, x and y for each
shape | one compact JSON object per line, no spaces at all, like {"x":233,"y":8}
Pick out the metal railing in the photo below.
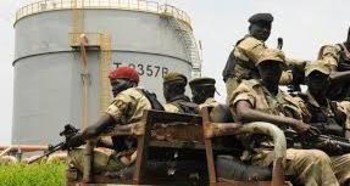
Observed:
{"x":132,"y":5}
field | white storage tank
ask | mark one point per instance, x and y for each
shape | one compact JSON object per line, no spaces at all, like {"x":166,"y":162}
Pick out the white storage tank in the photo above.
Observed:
{"x":48,"y":86}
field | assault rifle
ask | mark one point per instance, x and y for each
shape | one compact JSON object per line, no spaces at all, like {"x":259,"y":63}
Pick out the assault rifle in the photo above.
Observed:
{"x":332,"y":145}
{"x":68,"y":132}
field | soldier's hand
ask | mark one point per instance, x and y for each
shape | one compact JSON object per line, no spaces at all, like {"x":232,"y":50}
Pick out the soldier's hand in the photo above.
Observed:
{"x":75,"y":141}
{"x":138,"y":128}
{"x":329,"y":146}
{"x":307,"y":131}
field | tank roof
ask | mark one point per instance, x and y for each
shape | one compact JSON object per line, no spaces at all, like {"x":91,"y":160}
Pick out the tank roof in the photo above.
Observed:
{"x":129,"y":5}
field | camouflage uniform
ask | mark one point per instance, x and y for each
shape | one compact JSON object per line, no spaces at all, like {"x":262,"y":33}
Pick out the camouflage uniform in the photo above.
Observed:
{"x":309,"y":167}
{"x":337,"y":57}
{"x":334,"y":119}
{"x":127,"y":107}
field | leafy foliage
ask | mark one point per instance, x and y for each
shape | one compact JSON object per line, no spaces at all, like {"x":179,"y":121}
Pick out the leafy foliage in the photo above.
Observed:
{"x":38,"y":174}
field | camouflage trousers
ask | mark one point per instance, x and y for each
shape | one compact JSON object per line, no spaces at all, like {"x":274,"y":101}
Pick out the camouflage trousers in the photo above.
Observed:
{"x":306,"y":167}
{"x":104,"y":160}
{"x":341,"y":167}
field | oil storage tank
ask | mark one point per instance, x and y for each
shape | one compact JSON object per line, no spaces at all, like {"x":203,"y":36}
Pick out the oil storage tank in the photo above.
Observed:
{"x":52,"y":84}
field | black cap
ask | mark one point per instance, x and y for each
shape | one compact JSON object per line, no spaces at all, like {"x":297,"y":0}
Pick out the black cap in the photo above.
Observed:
{"x":200,"y":82}
{"x":261,"y":17}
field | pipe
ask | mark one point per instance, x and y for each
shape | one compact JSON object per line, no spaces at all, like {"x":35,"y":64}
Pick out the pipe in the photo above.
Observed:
{"x":85,"y":76}
{"x":24,"y":148}
{"x":8,"y":149}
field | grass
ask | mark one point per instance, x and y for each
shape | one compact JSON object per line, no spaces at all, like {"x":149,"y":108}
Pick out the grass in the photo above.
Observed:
{"x":38,"y":174}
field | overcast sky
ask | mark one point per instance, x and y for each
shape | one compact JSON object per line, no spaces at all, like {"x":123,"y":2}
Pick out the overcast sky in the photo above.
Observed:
{"x":305,"y":25}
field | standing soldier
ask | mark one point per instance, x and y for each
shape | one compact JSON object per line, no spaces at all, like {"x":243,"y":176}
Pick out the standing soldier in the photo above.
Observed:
{"x":174,"y":85}
{"x":328,"y":116}
{"x":128,"y":106}
{"x":262,"y":100}
{"x":337,"y":57}
{"x":247,"y":51}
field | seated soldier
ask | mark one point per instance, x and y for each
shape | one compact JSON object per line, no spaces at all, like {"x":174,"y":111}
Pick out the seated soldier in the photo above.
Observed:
{"x":337,"y":57}
{"x":262,"y":100}
{"x":328,"y":116}
{"x":128,"y":106}
{"x":203,"y":90}
{"x":174,"y":85}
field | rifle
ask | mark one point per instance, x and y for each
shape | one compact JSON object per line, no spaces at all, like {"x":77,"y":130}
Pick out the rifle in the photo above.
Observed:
{"x":279,"y":43}
{"x":69,"y":132}
{"x":322,"y":142}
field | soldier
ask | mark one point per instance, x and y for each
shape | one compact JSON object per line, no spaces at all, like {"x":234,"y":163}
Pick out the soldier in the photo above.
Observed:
{"x":247,"y":51}
{"x":203,"y":90}
{"x":329,"y":116}
{"x":262,"y":100}
{"x":128,"y":106}
{"x":174,"y":92}
{"x":337,"y":57}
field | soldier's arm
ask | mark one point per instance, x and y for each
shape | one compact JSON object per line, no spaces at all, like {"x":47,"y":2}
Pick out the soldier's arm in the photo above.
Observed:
{"x":111,"y":117}
{"x":104,"y":123}
{"x":344,"y":107}
{"x":340,"y":77}
{"x":90,"y":132}
{"x":245,"y":113}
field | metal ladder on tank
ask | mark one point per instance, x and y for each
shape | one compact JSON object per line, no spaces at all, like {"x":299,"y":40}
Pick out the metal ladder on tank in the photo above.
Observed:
{"x":105,"y":67}
{"x":98,"y":41}
{"x":186,"y":35}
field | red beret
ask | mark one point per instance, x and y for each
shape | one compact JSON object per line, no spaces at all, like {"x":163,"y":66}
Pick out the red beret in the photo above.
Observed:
{"x":124,"y":73}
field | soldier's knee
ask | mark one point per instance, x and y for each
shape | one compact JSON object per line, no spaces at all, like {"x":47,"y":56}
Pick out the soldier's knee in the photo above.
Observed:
{"x":313,"y":156}
{"x":320,"y":155}
{"x":346,"y":157}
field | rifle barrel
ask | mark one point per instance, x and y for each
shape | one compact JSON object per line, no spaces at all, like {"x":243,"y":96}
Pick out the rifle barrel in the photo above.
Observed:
{"x":54,"y":149}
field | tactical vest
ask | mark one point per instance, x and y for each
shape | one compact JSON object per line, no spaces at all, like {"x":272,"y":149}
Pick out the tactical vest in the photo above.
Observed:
{"x":234,"y":65}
